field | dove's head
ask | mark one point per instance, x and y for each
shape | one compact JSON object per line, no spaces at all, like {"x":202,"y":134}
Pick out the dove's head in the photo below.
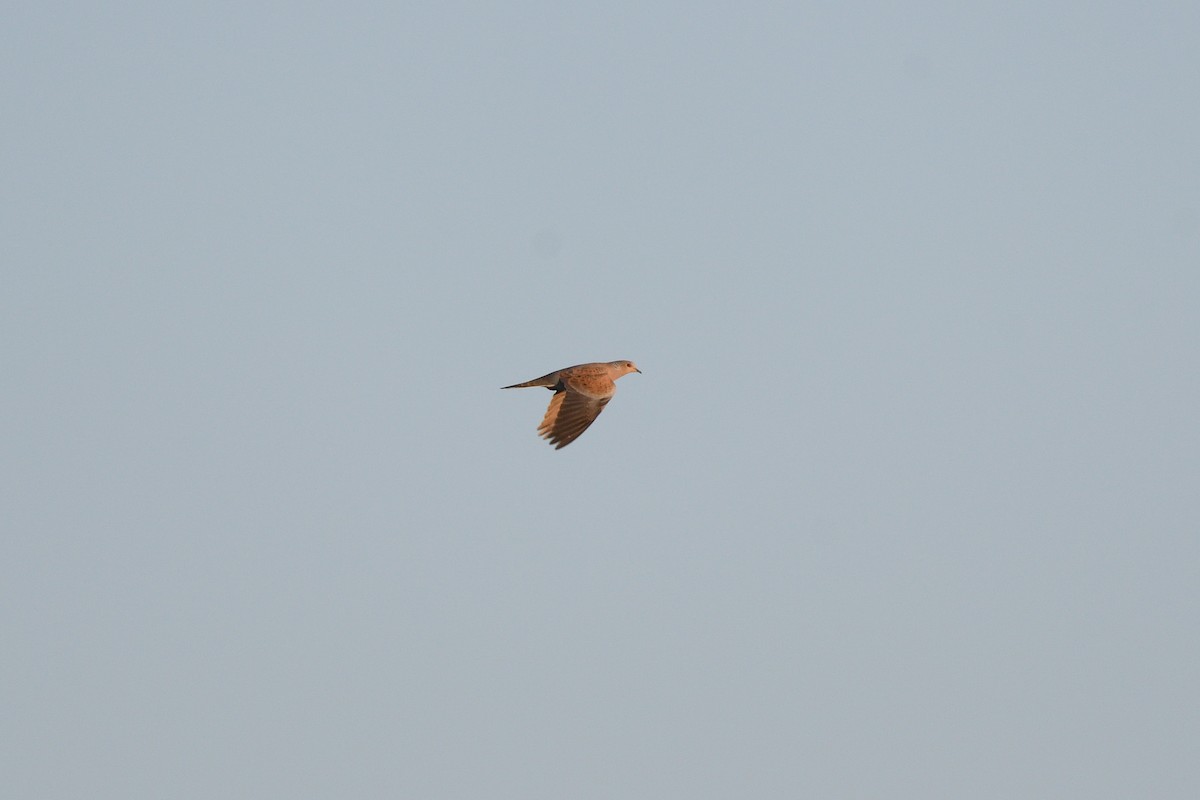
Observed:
{"x":626,"y":367}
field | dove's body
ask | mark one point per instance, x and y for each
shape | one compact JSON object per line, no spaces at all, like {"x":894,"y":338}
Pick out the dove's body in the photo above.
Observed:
{"x":580,"y":394}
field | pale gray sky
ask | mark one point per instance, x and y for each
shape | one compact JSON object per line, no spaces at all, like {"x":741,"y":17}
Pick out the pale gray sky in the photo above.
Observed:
{"x":904,"y":505}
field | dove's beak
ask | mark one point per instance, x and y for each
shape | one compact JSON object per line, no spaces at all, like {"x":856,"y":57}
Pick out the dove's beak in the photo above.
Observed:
{"x":638,"y":371}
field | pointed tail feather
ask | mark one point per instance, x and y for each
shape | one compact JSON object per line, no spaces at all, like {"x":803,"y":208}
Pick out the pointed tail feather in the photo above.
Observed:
{"x":549,"y":381}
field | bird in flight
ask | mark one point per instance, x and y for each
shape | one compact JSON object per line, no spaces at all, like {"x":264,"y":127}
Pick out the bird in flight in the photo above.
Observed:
{"x":580,"y":394}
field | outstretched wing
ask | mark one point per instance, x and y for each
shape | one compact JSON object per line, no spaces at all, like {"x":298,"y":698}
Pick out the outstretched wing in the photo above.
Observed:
{"x":570,"y":413}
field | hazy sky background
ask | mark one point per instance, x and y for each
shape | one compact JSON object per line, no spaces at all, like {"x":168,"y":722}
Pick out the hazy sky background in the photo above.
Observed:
{"x":904,"y":505}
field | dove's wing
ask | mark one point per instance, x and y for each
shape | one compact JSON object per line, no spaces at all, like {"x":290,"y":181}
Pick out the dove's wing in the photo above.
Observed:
{"x":570,"y":413}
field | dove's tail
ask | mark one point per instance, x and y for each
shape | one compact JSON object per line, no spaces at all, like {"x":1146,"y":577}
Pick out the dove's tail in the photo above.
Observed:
{"x":549,"y":381}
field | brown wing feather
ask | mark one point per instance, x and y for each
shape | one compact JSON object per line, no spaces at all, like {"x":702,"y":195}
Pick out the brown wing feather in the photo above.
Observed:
{"x":551,"y":412}
{"x":569,"y":414}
